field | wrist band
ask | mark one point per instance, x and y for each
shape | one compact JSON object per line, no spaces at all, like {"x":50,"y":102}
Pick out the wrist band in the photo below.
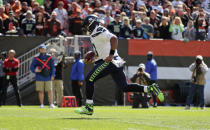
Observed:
{"x":112,"y":52}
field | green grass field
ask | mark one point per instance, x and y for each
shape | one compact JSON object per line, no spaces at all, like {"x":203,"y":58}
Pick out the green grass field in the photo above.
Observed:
{"x":104,"y":118}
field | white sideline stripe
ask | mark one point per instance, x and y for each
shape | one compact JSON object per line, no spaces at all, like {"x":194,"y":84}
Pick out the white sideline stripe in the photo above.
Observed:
{"x":149,"y":124}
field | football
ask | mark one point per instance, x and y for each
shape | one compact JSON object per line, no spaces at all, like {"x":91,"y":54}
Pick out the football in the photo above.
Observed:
{"x":89,"y":56}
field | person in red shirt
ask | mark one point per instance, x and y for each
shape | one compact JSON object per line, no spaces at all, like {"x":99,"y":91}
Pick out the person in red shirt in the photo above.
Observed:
{"x":10,"y":67}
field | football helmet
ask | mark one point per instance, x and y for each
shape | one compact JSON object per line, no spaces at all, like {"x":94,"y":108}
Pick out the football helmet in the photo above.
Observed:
{"x":90,"y":23}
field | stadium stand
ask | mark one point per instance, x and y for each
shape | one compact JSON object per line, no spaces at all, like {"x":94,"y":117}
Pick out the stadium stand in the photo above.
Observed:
{"x":70,"y":13}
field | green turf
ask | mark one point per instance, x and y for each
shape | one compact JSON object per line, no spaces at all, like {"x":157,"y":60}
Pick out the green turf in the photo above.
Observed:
{"x":104,"y":118}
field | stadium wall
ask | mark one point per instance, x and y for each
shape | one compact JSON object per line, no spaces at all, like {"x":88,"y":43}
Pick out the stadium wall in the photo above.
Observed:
{"x":173,"y":59}
{"x":20,"y":44}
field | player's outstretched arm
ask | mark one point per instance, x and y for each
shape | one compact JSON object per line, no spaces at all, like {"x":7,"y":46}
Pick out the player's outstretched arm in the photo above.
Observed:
{"x":114,"y":44}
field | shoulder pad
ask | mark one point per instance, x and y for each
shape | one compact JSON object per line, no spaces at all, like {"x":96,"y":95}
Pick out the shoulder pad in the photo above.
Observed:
{"x":99,"y":30}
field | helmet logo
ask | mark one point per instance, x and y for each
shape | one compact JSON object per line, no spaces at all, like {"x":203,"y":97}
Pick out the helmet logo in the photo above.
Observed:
{"x":90,"y":20}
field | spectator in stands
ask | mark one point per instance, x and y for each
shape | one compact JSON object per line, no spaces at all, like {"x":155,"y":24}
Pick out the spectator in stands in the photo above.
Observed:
{"x":131,"y":9}
{"x":32,"y":3}
{"x":2,"y":14}
{"x":62,"y":14}
{"x":134,"y":9}
{"x":151,"y":68}
{"x":18,"y":17}
{"x":205,"y":5}
{"x":125,"y":7}
{"x":28,"y":25}
{"x":176,"y":29}
{"x":85,"y":10}
{"x":44,"y":69}
{"x":1,"y":27}
{"x":58,"y":82}
{"x":17,"y":6}
{"x":75,"y":24}
{"x":142,"y":15}
{"x":190,"y":31}
{"x":11,"y":25}
{"x":53,"y":26}
{"x":45,"y":14}
{"x":2,"y":76}
{"x":40,"y":24}
{"x":157,"y":6}
{"x":183,"y":16}
{"x":198,"y":69}
{"x":133,"y":18}
{"x":11,"y":66}
{"x":172,"y":15}
{"x":166,"y":12}
{"x":201,"y":26}
{"x":175,"y":3}
{"x":115,"y":26}
{"x":126,"y":29}
{"x":113,"y":9}
{"x":208,"y":38}
{"x":108,"y":18}
{"x":104,"y":5}
{"x":148,"y":6}
{"x":48,"y":6}
{"x":140,"y":2}
{"x":72,"y":12}
{"x":138,"y":31}
{"x":77,"y":76}
{"x":148,"y":28}
{"x":163,"y":30}
{"x":24,"y":7}
{"x":35,"y":8}
{"x":65,"y":3}
{"x":7,"y":8}
{"x":154,"y":21}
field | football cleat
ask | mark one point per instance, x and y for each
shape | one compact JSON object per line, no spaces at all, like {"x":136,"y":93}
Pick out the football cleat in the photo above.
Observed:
{"x":154,"y":88}
{"x":87,"y":110}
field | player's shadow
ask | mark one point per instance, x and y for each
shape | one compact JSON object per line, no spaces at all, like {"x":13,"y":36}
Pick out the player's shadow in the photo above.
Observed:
{"x":85,"y":118}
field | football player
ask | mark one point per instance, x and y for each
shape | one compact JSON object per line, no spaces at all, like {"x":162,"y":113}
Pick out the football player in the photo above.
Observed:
{"x":108,"y":62}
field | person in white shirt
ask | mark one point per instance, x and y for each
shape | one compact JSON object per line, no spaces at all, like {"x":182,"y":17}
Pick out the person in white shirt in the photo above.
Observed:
{"x":85,"y":10}
{"x":62,"y":14}
{"x":157,"y":6}
{"x":206,"y":5}
{"x":108,"y":18}
{"x":175,"y":3}
{"x":208,"y":37}
{"x":107,"y":62}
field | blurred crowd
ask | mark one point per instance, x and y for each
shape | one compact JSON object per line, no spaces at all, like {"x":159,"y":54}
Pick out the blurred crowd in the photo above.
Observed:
{"x":139,"y":19}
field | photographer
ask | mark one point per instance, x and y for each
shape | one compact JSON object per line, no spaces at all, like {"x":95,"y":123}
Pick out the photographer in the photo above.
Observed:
{"x":141,"y":77}
{"x":199,"y":69}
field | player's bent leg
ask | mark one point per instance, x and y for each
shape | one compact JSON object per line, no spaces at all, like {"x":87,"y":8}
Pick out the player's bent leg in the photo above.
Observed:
{"x":100,"y":70}
{"x":120,"y":79}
